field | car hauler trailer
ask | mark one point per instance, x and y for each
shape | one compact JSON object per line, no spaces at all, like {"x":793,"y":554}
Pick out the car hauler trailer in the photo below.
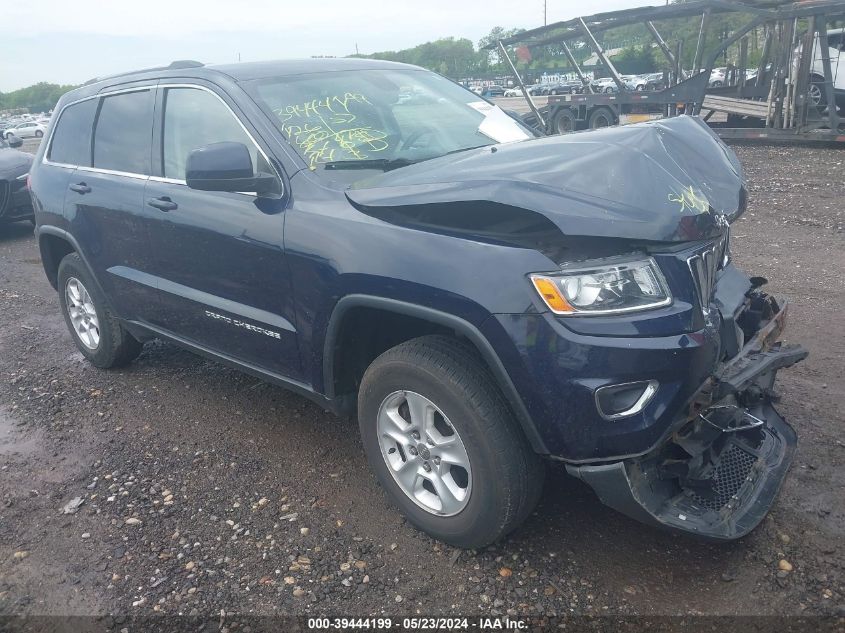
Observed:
{"x":791,"y":94}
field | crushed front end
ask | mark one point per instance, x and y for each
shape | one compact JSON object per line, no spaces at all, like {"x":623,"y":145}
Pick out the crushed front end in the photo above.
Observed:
{"x":719,"y":471}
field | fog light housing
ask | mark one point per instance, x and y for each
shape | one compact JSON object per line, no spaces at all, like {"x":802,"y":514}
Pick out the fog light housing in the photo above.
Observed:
{"x":624,"y":399}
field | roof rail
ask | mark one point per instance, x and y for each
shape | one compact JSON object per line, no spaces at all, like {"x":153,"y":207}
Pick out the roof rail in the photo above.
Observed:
{"x":175,"y":65}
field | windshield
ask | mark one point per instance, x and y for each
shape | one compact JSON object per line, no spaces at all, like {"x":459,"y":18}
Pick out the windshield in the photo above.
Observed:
{"x":380,"y":119}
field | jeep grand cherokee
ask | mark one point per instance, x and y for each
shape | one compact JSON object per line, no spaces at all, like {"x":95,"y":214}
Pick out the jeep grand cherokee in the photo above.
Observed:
{"x":386,"y":243}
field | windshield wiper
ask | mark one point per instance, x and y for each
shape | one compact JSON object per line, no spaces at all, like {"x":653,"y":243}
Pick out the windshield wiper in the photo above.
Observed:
{"x":370,"y":163}
{"x":466,"y":149}
{"x":390,"y":163}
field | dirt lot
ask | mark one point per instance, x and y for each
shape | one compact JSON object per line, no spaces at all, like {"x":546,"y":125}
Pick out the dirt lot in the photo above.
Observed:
{"x":205,"y":490}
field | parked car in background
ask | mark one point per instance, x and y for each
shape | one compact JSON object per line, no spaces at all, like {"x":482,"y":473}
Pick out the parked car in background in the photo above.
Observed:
{"x":717,"y":77}
{"x":514,"y":92}
{"x":27,"y":129}
{"x":836,"y":51}
{"x":15,"y":203}
{"x":493,"y":90}
{"x":635,"y":82}
{"x":654,"y":81}
{"x":605,"y":84}
{"x":566,"y":87}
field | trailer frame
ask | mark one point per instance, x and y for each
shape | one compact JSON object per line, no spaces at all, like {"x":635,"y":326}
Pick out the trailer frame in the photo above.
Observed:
{"x":773,"y":105}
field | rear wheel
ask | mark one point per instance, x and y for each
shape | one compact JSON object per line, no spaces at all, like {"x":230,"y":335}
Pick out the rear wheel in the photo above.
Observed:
{"x":443,"y":443}
{"x":601,"y":117}
{"x":38,"y":133}
{"x":95,"y":331}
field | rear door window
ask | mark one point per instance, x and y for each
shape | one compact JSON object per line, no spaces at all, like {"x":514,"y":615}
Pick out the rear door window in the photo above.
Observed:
{"x":71,"y":142}
{"x":123,"y":133}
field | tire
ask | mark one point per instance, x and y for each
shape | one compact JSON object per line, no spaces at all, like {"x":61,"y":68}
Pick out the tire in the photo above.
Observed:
{"x":38,"y":133}
{"x":816,"y":92}
{"x":503,"y":480}
{"x":114,"y":346}
{"x":640,"y":88}
{"x":601,"y":117}
{"x":565,"y":121}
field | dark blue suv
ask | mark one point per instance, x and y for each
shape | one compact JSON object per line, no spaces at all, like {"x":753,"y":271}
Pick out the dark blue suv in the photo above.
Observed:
{"x":386,"y":243}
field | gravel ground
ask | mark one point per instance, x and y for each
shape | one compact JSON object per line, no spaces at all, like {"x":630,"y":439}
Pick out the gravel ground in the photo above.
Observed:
{"x":203,"y":489}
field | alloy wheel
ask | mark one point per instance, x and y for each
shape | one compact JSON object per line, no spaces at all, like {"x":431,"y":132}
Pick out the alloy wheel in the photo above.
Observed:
{"x":815,"y":94}
{"x":424,"y":453}
{"x":83,"y":314}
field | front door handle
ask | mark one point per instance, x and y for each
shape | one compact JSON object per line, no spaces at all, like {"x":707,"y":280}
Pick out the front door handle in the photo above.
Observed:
{"x":163,"y":204}
{"x":80,"y":187}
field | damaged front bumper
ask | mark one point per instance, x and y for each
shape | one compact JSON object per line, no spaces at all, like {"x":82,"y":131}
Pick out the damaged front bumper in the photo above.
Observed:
{"x":718,"y":474}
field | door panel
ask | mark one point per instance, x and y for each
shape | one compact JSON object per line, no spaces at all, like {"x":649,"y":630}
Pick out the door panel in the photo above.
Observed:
{"x":104,"y":202}
{"x":221,"y":267}
{"x":112,"y":227}
{"x":223,"y":276}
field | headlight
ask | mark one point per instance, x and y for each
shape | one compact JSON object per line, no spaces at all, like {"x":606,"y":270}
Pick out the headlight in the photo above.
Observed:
{"x":604,"y":289}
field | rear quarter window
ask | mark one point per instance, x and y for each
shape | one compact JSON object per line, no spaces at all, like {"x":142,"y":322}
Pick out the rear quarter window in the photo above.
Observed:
{"x":123,"y":133}
{"x":71,"y":142}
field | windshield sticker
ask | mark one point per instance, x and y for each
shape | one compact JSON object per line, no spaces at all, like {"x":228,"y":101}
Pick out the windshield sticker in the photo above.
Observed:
{"x":690,"y":200}
{"x":325,"y":130}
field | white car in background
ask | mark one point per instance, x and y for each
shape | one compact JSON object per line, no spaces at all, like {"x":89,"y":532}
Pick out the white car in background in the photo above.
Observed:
{"x":26,"y":129}
{"x":514,"y":92}
{"x":605,"y":84}
{"x":836,"y":52}
{"x":717,"y":77}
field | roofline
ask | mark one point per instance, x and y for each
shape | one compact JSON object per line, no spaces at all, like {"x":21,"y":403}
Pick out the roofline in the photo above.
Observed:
{"x":175,"y":65}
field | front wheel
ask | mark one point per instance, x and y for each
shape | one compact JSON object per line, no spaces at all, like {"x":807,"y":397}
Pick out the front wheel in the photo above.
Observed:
{"x":816,"y":92}
{"x":444,"y":445}
{"x":565,"y":121}
{"x":38,"y":133}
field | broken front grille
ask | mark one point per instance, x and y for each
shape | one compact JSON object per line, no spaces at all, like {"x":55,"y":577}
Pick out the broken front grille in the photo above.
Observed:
{"x":727,"y":478}
{"x":704,"y":266}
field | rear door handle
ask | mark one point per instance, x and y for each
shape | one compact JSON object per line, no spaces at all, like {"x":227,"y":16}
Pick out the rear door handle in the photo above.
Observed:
{"x":163,"y":204}
{"x":80,"y":187}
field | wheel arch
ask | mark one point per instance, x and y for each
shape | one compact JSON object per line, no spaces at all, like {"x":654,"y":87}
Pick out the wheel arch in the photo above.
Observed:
{"x":431,"y":321}
{"x":55,"y":244}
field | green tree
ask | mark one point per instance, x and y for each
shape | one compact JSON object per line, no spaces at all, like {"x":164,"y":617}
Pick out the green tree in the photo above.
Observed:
{"x":40,"y":97}
{"x":635,"y":60}
{"x":492,"y":59}
{"x":448,"y":56}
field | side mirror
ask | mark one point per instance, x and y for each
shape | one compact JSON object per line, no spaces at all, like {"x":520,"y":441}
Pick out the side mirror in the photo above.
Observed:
{"x":226,"y":167}
{"x":13,"y":140}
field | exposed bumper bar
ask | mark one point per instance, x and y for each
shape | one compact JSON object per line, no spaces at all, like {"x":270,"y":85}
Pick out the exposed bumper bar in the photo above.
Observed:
{"x":720,"y":472}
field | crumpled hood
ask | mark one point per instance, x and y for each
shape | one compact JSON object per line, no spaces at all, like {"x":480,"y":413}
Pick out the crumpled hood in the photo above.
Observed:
{"x":668,"y":180}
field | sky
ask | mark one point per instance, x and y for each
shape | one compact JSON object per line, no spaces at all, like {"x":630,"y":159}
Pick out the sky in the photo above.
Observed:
{"x":71,"y":41}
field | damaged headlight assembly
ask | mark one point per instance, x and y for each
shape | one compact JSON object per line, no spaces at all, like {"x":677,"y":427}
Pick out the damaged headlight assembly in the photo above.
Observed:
{"x":606,"y":288}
